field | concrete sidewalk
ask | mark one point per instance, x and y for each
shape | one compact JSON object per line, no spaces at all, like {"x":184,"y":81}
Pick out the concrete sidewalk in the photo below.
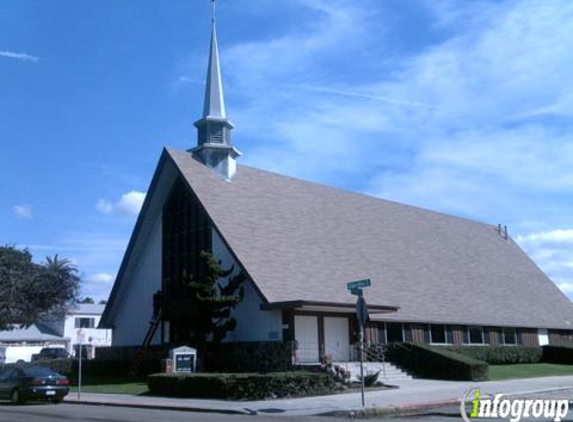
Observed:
{"x":413,"y":394}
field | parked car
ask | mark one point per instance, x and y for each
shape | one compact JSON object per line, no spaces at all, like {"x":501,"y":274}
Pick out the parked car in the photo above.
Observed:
{"x":19,"y":384}
{"x":49,"y":353}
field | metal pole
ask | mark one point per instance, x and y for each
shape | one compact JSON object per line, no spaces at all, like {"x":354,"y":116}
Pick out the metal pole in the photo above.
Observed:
{"x":361,"y":338}
{"x":80,"y":370}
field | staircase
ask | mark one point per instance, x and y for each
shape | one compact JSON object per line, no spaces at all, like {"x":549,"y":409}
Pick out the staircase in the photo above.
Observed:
{"x":374,"y":361}
{"x":389,"y":373}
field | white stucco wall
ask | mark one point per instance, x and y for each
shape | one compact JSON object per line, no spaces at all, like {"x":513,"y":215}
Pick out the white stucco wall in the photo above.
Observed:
{"x":136,"y":309}
{"x":253,"y":324}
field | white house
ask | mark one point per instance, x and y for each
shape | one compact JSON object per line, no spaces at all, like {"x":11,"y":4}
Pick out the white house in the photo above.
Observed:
{"x":80,"y":321}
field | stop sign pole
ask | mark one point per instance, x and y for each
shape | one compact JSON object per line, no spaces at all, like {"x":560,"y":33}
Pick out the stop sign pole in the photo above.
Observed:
{"x":355,"y":288}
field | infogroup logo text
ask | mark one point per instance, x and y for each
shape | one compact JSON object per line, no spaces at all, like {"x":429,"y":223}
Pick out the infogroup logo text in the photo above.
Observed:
{"x":512,"y":409}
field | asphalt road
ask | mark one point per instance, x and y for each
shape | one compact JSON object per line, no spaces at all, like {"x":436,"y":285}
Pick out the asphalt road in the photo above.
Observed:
{"x":72,"y":412}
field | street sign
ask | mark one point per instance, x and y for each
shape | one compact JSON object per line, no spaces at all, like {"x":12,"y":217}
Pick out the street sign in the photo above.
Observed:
{"x":356,"y":292}
{"x":357,"y":284}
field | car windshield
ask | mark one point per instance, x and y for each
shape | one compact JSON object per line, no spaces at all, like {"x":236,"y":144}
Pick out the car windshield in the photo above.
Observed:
{"x":38,"y":372}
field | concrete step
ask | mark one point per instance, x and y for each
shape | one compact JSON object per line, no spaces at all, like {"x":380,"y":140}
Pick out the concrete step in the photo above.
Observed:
{"x":388,"y":371}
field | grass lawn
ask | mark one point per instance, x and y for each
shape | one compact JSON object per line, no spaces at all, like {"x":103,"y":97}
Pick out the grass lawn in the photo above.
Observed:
{"x":110,"y":385}
{"x":531,"y":370}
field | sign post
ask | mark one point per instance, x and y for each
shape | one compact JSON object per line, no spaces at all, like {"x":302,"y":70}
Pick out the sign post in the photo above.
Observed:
{"x":80,"y":337}
{"x":362,"y":317}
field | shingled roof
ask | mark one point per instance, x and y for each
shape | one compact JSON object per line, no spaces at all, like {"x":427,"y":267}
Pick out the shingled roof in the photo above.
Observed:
{"x":304,"y":241}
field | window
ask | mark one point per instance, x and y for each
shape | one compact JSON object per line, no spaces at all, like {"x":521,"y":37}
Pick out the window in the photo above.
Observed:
{"x":186,"y":232}
{"x":85,"y":322}
{"x":394,"y":332}
{"x":475,"y":335}
{"x":509,"y":336}
{"x":438,"y":334}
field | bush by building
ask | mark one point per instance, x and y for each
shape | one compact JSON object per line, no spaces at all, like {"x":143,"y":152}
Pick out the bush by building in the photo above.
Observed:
{"x":500,"y":355}
{"x":558,"y":354}
{"x":247,"y":386}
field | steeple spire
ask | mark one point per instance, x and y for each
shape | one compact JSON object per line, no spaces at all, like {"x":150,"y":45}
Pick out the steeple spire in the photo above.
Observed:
{"x":214,"y":97}
{"x":214,"y":147}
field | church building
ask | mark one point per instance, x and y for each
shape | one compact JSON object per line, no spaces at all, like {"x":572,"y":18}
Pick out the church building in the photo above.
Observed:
{"x":435,"y":278}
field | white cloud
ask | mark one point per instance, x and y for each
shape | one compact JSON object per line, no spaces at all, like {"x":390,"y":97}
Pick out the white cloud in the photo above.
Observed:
{"x":559,"y":235}
{"x":552,"y":251}
{"x":105,"y":207}
{"x":23,"y":212}
{"x":130,"y":203}
{"x":97,"y":286}
{"x":25,"y":57}
{"x":567,"y":288}
{"x":104,"y":278}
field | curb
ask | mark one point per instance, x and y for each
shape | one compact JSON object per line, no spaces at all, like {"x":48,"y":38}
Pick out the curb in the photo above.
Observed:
{"x":161,"y":407}
{"x":409,"y":409}
{"x":416,"y":408}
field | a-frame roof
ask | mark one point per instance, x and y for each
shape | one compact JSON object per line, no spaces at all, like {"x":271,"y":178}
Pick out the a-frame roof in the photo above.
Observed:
{"x":301,"y":241}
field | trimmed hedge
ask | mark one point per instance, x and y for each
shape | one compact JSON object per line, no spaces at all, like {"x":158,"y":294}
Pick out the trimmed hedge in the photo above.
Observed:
{"x":558,"y":354}
{"x":241,"y":386}
{"x":500,"y":355}
{"x":436,"y":363}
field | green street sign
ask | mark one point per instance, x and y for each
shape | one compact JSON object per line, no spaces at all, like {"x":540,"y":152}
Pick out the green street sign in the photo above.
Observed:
{"x":356,"y":292}
{"x":358,"y":284}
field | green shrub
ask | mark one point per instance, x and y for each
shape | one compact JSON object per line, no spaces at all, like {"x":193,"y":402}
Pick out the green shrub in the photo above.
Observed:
{"x":558,"y":354}
{"x":371,"y":379}
{"x":241,"y":386}
{"x":436,"y":363}
{"x":500,"y":355}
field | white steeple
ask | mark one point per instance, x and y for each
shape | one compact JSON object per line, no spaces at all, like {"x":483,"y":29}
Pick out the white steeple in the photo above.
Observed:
{"x":214,"y":98}
{"x":214,"y":147}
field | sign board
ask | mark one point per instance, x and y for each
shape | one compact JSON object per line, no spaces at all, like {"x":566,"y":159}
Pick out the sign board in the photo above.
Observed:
{"x":184,"y":359}
{"x":362,"y":311}
{"x":80,"y":336}
{"x":356,"y":292}
{"x":358,"y":284}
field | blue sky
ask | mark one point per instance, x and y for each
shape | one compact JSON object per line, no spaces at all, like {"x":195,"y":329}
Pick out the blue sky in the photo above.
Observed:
{"x":465,"y":107}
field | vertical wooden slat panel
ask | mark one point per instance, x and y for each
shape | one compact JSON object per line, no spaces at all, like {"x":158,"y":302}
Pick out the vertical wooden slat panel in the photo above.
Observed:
{"x":458,"y":335}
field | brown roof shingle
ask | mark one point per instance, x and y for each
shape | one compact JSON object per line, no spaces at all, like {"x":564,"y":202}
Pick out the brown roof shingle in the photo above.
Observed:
{"x":304,"y":241}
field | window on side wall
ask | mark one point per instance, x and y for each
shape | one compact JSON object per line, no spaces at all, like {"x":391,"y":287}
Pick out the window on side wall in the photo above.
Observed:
{"x":85,"y":322}
{"x":438,"y":334}
{"x":509,"y":336}
{"x":394,"y":332}
{"x":475,"y":335}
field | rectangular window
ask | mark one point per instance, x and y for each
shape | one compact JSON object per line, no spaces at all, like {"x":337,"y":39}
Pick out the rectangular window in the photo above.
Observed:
{"x":85,"y":322}
{"x":509,"y":336}
{"x":394,"y":332}
{"x":475,"y":335}
{"x":438,"y":334}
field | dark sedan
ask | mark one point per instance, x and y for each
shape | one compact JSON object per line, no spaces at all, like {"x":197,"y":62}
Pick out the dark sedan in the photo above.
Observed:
{"x":19,"y":384}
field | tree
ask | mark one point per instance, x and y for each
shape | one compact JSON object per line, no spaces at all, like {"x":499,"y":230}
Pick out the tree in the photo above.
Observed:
{"x":213,"y":296}
{"x":86,"y":300}
{"x":31,"y":292}
{"x":102,"y":302}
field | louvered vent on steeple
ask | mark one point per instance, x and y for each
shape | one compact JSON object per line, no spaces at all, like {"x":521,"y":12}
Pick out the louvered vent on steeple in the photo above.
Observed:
{"x":214,"y":147}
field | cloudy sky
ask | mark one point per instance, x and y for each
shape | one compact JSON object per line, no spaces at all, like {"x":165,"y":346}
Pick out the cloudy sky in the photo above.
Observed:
{"x":465,"y":107}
